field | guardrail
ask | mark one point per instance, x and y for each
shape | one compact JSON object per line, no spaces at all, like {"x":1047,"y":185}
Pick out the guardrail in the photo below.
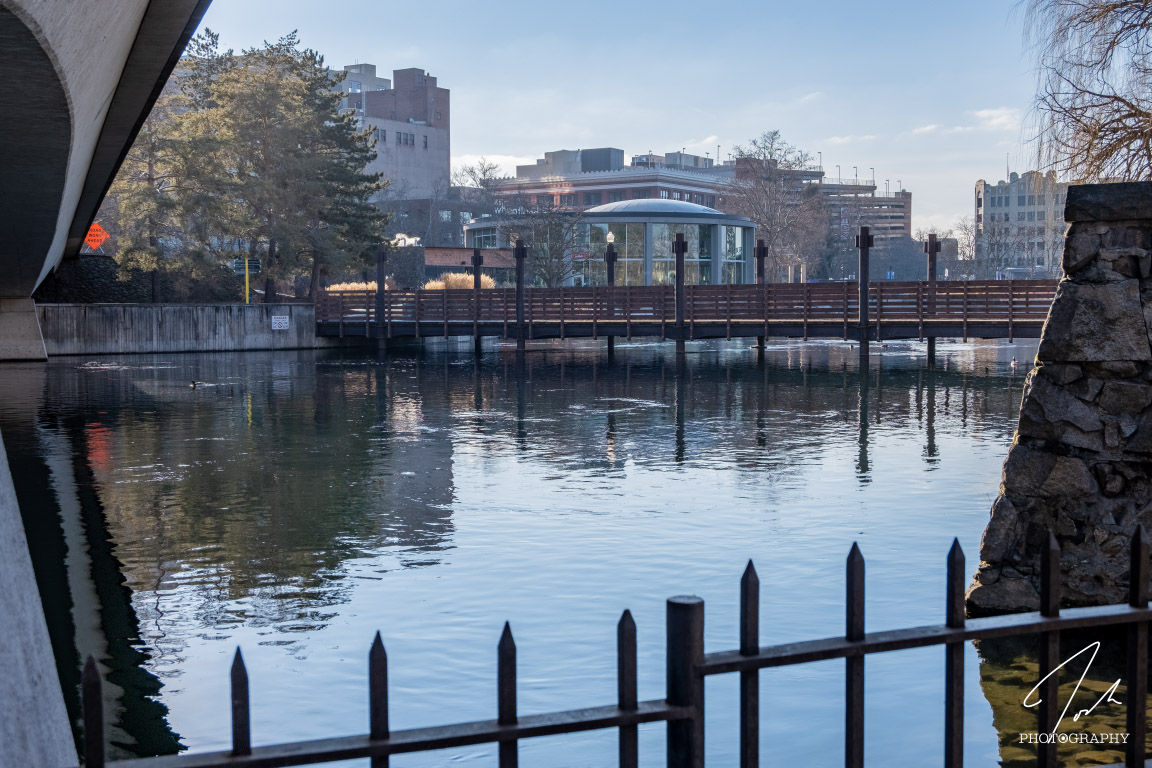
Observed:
{"x":687,"y":665}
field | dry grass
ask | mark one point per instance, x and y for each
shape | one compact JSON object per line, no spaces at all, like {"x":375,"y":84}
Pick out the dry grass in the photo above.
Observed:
{"x":389,"y":285}
{"x":457,"y":281}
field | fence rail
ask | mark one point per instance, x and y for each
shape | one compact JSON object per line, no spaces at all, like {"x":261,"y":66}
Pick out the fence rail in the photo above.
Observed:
{"x":687,"y":665}
{"x":736,"y":308}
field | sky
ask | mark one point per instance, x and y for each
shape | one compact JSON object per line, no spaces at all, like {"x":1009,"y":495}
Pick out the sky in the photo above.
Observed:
{"x":928,"y":93}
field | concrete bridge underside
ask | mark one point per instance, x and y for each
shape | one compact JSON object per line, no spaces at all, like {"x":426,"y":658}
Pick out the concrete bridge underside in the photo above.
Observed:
{"x":79,"y":79}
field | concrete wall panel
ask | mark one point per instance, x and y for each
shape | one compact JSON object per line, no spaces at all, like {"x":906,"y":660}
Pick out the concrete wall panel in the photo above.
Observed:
{"x":99,"y":329}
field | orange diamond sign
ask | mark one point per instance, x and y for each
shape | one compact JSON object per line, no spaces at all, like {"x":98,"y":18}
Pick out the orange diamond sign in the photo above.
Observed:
{"x":96,"y":237}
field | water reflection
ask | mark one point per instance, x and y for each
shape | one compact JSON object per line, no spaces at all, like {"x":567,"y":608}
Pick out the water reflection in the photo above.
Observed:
{"x":295,"y":502}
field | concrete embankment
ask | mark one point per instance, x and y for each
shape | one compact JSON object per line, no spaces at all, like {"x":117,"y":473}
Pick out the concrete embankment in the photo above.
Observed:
{"x":34,"y":728}
{"x":104,"y":329}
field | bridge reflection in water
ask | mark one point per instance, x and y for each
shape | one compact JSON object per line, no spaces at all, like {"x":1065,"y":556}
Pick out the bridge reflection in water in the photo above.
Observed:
{"x":281,"y":501}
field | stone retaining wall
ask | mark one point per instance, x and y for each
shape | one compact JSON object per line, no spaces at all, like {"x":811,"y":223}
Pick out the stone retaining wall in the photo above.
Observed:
{"x":1081,"y":460}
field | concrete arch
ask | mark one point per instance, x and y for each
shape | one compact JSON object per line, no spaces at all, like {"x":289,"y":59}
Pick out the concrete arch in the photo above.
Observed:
{"x":35,"y":143}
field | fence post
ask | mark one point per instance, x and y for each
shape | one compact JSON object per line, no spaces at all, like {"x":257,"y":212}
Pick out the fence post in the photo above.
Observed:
{"x":93,"y":715}
{"x":626,"y":697}
{"x":932,"y":247}
{"x":954,"y":662}
{"x":750,"y":680}
{"x":381,"y":264}
{"x":378,"y":697}
{"x":477,"y":263}
{"x":1137,"y":650}
{"x":864,"y":242}
{"x":679,"y":248}
{"x":241,"y":723}
{"x":506,"y":694}
{"x":854,"y":665}
{"x":520,"y":253}
{"x":761,"y":279}
{"x":685,"y":685}
{"x":610,"y":268}
{"x":1049,"y":651}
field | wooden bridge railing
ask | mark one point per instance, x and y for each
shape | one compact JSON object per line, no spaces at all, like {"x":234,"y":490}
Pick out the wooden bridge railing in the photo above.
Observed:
{"x":687,"y":665}
{"x":969,"y":301}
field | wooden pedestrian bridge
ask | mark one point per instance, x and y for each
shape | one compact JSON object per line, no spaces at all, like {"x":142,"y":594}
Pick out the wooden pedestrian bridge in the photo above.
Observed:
{"x":985,"y":309}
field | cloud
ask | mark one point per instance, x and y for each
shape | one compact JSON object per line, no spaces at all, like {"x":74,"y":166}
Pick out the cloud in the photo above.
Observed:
{"x":507,"y":163}
{"x":809,"y":97}
{"x":999,"y":119}
{"x":960,"y":129}
{"x":853,"y":139}
{"x":926,"y":129}
{"x":707,"y":141}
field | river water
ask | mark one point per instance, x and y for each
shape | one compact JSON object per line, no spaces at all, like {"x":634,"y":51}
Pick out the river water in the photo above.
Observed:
{"x":293,"y":504}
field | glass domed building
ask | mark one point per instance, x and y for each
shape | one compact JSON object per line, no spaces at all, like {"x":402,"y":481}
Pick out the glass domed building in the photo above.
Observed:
{"x":719,"y":245}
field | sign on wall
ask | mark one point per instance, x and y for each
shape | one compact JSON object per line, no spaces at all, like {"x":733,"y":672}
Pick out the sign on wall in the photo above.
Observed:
{"x":279,"y":322}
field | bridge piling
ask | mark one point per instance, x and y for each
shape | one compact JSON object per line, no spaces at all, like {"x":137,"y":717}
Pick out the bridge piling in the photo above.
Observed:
{"x":477,"y":263}
{"x":679,"y":248}
{"x":520,"y":253}
{"x":381,"y":298}
{"x":610,"y":269}
{"x":864,"y":241}
{"x":761,"y":279}
{"x":932,"y":247}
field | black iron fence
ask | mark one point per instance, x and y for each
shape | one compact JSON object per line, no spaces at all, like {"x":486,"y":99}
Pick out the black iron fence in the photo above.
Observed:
{"x":687,"y":665}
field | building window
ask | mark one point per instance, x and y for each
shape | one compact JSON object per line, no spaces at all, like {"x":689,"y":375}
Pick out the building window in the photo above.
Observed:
{"x":675,"y":195}
{"x":544,"y":201}
{"x":591,"y":198}
{"x":425,"y":142}
{"x":446,"y":216}
{"x":354,"y":86}
{"x":979,"y":217}
{"x":615,"y":197}
{"x":711,"y":201}
{"x":1020,"y":199}
{"x":1031,"y":199}
{"x":1040,"y":215}
{"x":465,"y":217}
{"x":399,"y":137}
{"x":979,"y":201}
{"x":437,"y":115}
{"x":1039,"y":199}
{"x":1031,"y":216}
{"x":640,"y":194}
{"x":568,"y":199}
{"x":1020,"y":216}
{"x":663,"y":194}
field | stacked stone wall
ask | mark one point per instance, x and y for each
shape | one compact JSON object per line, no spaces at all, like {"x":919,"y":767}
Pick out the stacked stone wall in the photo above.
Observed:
{"x":1081,"y":461}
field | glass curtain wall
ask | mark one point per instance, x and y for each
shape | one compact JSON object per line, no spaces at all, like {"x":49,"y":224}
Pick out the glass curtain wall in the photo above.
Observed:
{"x":733,"y":263}
{"x":629,"y":241}
{"x":697,"y":261}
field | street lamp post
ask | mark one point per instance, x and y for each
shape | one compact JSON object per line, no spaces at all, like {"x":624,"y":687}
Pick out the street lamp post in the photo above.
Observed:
{"x":610,"y":269}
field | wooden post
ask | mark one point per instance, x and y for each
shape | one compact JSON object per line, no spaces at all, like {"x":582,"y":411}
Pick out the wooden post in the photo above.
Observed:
{"x":610,"y":268}
{"x":761,"y":279}
{"x":679,"y":249}
{"x":520,"y":253}
{"x":477,"y":262}
{"x":932,"y":247}
{"x":381,"y":297}
{"x":864,"y":241}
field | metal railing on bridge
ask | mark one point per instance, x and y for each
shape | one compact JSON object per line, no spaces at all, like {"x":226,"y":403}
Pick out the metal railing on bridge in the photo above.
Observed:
{"x":971,"y":304}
